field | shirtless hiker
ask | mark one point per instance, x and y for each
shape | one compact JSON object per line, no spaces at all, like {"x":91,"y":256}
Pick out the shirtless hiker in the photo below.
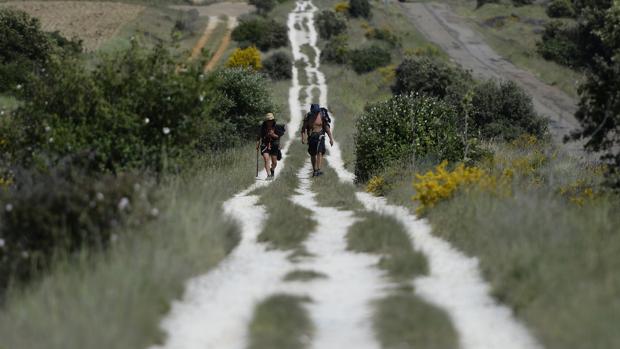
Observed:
{"x":313,"y":130}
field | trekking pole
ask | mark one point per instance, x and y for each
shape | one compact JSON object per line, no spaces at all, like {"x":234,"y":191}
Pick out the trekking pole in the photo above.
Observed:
{"x":257,"y":162}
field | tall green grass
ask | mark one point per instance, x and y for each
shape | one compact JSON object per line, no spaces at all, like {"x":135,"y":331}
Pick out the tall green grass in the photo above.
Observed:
{"x":549,"y":252}
{"x":116,"y":299}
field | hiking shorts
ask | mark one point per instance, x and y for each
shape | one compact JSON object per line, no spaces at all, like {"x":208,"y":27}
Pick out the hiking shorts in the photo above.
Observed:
{"x":316,"y":144}
{"x":273,"y":151}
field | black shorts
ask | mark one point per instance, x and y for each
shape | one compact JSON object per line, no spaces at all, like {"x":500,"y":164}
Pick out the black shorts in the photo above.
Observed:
{"x":316,"y":144}
{"x":273,"y":151}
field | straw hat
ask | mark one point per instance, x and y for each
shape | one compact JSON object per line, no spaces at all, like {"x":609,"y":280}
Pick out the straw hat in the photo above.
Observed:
{"x":269,"y":117}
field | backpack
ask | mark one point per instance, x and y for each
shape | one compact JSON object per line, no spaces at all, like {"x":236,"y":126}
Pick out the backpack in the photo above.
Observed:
{"x":280,"y":130}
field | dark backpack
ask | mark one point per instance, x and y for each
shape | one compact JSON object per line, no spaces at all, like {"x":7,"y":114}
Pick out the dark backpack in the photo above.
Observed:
{"x":315,"y":108}
{"x":280,"y":130}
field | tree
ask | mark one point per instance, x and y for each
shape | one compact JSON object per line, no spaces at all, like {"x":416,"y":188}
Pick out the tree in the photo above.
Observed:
{"x":359,"y":8}
{"x":330,"y":23}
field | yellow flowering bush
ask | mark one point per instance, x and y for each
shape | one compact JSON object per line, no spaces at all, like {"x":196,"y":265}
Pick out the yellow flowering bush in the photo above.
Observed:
{"x":342,"y":7}
{"x":245,"y":58}
{"x":579,"y":192}
{"x":388,"y":73}
{"x":376,"y":186}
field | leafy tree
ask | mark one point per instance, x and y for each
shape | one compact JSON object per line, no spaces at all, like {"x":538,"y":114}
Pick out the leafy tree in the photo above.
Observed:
{"x":359,"y":8}
{"x":330,"y":23}
{"x":430,"y":76}
{"x":263,"y":6}
{"x":245,"y":58}
{"x":560,"y":8}
{"x":367,"y":59}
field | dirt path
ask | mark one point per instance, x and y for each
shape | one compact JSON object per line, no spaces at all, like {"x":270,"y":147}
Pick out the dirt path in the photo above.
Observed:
{"x":232,"y":23}
{"x":217,"y":307}
{"x":450,"y":32}
{"x":197,"y":49}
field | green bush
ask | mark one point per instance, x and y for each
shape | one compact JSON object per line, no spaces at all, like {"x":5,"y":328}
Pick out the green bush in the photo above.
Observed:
{"x":560,"y":8}
{"x":58,"y":212}
{"x":522,"y":2}
{"x":431,"y":76}
{"x":261,"y":32}
{"x":336,"y":50}
{"x":504,"y":111}
{"x":359,"y":8}
{"x":278,"y":66}
{"x":367,"y":59}
{"x":383,"y":34}
{"x":480,"y":3}
{"x":133,"y":110}
{"x":560,"y":44}
{"x":330,"y":23}
{"x":25,"y":49}
{"x":405,"y":126}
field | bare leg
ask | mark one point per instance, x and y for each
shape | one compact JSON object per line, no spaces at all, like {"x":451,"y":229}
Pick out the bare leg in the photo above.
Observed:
{"x":267,"y":163}
{"x":319,"y":160}
{"x":313,"y":159}
{"x":274,"y":162}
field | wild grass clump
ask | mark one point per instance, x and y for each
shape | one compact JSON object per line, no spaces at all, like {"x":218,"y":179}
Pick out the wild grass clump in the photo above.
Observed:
{"x":405,"y":127}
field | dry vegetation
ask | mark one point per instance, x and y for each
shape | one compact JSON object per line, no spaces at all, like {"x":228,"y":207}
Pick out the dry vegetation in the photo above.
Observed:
{"x":93,"y":22}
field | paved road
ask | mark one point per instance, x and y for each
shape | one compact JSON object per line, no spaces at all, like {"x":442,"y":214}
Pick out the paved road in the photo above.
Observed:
{"x":443,"y":27}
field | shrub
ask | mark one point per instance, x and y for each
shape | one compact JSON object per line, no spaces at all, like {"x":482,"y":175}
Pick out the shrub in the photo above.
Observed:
{"x":402,"y":127}
{"x":245,"y":58}
{"x":188,"y":21}
{"x":133,"y":110}
{"x":377,"y":186}
{"x":330,"y":24}
{"x":559,"y":44}
{"x":522,"y":2}
{"x":367,"y":59}
{"x":278,"y":66}
{"x":504,"y":111}
{"x":342,"y":7}
{"x":359,"y":8}
{"x":560,"y":8}
{"x":25,"y":49}
{"x":263,"y":33}
{"x":57,"y":213}
{"x":383,"y":34}
{"x":336,"y":50}
{"x":430,"y":76}
{"x":263,"y":6}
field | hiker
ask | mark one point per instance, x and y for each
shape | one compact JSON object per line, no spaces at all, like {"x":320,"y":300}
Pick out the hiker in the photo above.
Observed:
{"x":269,"y":144}
{"x":313,"y":130}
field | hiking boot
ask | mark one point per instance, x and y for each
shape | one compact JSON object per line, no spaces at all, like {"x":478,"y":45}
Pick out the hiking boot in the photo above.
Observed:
{"x":273,"y":172}
{"x":269,"y":178}
{"x":319,"y":173}
{"x":314,"y":173}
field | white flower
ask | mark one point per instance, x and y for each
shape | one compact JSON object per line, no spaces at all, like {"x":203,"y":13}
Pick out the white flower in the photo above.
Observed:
{"x":152,"y":78}
{"x":1,"y":112}
{"x":123,"y":203}
{"x":51,"y":140}
{"x":25,"y":254}
{"x":19,"y":87}
{"x":201,"y":98}
{"x":154,"y":212}
{"x":2,"y":243}
{"x":99,"y":196}
{"x":166,"y":130}
{"x":146,"y":120}
{"x":8,"y":207}
{"x":47,"y":128}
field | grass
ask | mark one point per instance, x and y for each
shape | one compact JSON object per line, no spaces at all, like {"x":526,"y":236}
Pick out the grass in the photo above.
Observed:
{"x":551,"y":257}
{"x":384,"y":235}
{"x":516,"y":39}
{"x":116,"y":299}
{"x":280,"y":322}
{"x":304,"y":275}
{"x":403,"y":321}
{"x":333,"y":193}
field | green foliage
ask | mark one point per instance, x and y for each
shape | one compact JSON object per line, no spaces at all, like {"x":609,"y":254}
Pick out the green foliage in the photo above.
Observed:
{"x":263,"y":6}
{"x":383,"y":34}
{"x":522,"y":2}
{"x":61,"y":211}
{"x":480,"y":3}
{"x":330,"y":23}
{"x":336,"y":50}
{"x":430,"y":76}
{"x":25,"y":49}
{"x":402,"y":127}
{"x":261,"y":32}
{"x":359,"y":8}
{"x":134,"y":110}
{"x":560,"y":44}
{"x":278,"y":66}
{"x":367,"y":59}
{"x":560,"y":8}
{"x":504,"y":111}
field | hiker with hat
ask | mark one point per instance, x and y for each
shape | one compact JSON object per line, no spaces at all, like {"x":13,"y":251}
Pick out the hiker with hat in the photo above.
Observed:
{"x":269,"y":144}
{"x":315,"y":126}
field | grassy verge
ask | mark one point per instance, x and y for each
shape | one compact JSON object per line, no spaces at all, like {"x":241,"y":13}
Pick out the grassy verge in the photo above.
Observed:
{"x":116,"y":299}
{"x":547,"y":243}
{"x":332,"y":192}
{"x":514,"y":37}
{"x":280,"y":322}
